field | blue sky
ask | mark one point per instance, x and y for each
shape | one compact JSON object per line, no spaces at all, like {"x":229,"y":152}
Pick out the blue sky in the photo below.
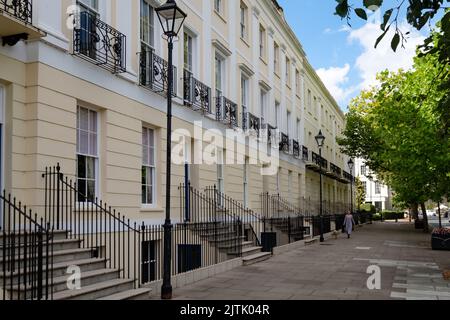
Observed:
{"x":345,"y":57}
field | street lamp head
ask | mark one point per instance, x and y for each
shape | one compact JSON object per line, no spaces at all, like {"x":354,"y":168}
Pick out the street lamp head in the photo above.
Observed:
{"x":351,"y":164}
{"x":171,"y":18}
{"x":320,"y":139}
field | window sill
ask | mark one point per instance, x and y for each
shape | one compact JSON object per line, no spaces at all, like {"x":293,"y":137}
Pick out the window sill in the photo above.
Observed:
{"x":263,"y":60}
{"x":151,"y":209}
{"x":219,"y":14}
{"x":245,"y":42}
{"x":276,"y":73}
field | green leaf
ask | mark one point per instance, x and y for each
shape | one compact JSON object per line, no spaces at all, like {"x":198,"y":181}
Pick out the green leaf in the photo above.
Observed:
{"x":342,"y":8}
{"x":361,"y":13}
{"x":395,"y":42}
{"x":381,"y":37}
{"x":386,"y":18}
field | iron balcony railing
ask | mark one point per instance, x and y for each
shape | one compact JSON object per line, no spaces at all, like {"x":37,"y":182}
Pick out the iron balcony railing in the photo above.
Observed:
{"x":99,"y":43}
{"x":305,"y":153}
{"x":349,"y":177}
{"x":251,"y":123}
{"x":285,"y":143}
{"x":227,"y":112}
{"x":19,"y":9}
{"x":271,"y":134}
{"x":154,"y":73}
{"x":316,"y":159}
{"x":335,"y":169}
{"x":295,"y":148}
{"x":197,"y":95}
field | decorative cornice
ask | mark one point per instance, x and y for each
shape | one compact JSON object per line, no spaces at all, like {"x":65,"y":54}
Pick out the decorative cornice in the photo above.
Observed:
{"x":221,"y":47}
{"x":263,"y":84}
{"x":246,"y":69}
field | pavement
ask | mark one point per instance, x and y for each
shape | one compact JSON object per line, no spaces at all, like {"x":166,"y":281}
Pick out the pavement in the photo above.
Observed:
{"x":338,"y":270}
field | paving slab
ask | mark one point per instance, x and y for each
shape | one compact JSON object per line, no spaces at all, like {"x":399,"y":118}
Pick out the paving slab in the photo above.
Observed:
{"x":410,"y":270}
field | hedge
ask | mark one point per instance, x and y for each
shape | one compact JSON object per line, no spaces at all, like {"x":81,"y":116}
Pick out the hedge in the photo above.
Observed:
{"x":369,"y":208}
{"x":393,"y":215}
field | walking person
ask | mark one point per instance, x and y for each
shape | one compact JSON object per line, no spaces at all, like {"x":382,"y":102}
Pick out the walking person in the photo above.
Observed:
{"x":349,"y":222}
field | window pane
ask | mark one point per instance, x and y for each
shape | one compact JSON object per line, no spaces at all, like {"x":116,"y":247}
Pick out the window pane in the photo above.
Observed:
{"x":81,"y":170}
{"x":90,"y":168}
{"x":151,"y":138}
{"x":83,"y":116}
{"x":144,"y":194}
{"x":93,"y":144}
{"x":145,"y":158}
{"x":92,"y":121}
{"x":90,"y":190}
{"x":144,"y":175}
{"x":81,"y":190}
{"x":149,"y":194}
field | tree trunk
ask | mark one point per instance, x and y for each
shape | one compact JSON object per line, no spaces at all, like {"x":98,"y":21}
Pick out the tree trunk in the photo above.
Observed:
{"x":415,"y":211}
{"x":425,"y":218}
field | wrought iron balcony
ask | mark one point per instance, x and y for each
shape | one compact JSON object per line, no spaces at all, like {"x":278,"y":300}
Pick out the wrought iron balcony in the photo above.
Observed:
{"x":316,"y":159}
{"x":16,"y":17}
{"x":271,"y":135}
{"x":285,"y":143}
{"x":335,"y":170}
{"x":227,"y":112}
{"x":197,"y":95}
{"x":348,"y":177}
{"x":296,"y":149}
{"x":19,"y":9}
{"x":305,"y":153}
{"x":154,"y":73}
{"x":99,"y":43}
{"x":251,"y":123}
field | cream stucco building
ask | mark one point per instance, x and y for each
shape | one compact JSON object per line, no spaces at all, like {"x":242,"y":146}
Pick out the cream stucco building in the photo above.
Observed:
{"x":85,"y":88}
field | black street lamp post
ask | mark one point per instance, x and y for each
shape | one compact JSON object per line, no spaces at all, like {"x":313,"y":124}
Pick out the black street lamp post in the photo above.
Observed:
{"x":320,"y":139}
{"x":171,"y":18}
{"x":351,"y":165}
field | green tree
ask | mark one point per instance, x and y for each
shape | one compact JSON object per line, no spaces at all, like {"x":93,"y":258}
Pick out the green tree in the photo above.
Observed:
{"x":398,"y":128}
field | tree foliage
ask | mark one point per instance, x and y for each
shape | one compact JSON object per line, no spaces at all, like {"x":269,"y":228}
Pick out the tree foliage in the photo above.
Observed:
{"x":400,"y":129}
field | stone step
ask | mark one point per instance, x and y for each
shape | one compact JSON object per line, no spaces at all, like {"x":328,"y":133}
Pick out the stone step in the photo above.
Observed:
{"x":96,"y":291}
{"x":58,"y":256}
{"x":231,"y":241}
{"x":60,"y":283}
{"x":59,"y":269}
{"x":136,"y":294}
{"x":61,"y":244}
{"x":245,"y":252}
{"x":19,"y":235}
{"x":244,"y":244}
{"x":256,"y":258}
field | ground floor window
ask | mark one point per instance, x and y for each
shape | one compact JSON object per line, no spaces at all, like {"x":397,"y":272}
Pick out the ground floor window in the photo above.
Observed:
{"x":148,"y":166}
{"x":87,"y":154}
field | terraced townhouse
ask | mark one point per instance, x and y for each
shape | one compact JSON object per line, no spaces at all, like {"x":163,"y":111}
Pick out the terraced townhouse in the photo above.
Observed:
{"x":83,"y":84}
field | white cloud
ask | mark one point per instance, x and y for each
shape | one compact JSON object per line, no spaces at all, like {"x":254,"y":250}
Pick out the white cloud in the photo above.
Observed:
{"x":335,"y":79}
{"x":372,"y":60}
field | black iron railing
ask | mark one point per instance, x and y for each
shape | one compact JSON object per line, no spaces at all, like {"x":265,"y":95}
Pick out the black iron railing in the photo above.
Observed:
{"x":281,"y":215}
{"x":305,"y":153}
{"x":285,"y":143}
{"x":99,"y":43}
{"x":19,"y":9}
{"x":295,"y":148}
{"x":316,"y":220}
{"x":227,"y":206}
{"x":271,"y":135}
{"x":197,"y":95}
{"x":227,"y":112}
{"x":316,"y":159}
{"x":154,"y":73}
{"x":347,"y":176}
{"x":26,"y":248}
{"x":335,"y":170}
{"x":205,"y":214}
{"x":251,"y":123}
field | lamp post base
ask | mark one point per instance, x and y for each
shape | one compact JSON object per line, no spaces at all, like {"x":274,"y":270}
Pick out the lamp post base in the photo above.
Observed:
{"x":166,"y":292}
